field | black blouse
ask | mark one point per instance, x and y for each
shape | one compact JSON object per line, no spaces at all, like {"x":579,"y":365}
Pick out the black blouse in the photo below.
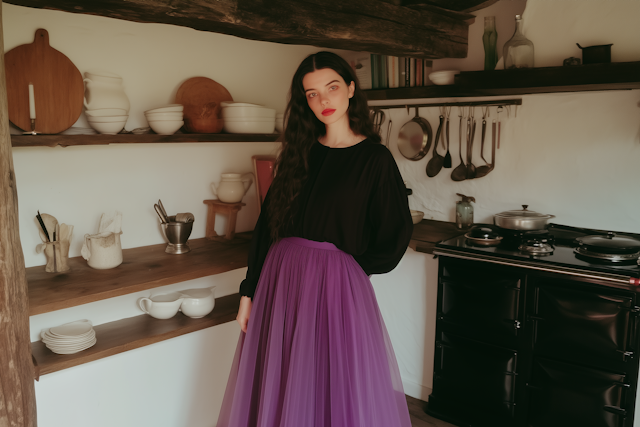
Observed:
{"x":355,"y":198}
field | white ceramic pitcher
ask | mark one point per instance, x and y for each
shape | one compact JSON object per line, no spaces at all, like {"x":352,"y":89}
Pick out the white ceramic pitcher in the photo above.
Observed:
{"x":103,"y":250}
{"x":104,"y":90}
{"x":232,"y":187}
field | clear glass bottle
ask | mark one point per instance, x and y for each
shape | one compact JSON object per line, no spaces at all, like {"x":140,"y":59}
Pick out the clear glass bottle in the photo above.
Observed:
{"x":490,"y":40}
{"x":518,"y":52}
{"x":464,"y":211}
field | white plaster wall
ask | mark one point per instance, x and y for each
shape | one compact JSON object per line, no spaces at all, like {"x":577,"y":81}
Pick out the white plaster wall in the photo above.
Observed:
{"x":569,"y":155}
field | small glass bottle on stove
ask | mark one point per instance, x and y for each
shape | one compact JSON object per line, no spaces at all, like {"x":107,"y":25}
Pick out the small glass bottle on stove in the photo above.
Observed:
{"x":464,"y":211}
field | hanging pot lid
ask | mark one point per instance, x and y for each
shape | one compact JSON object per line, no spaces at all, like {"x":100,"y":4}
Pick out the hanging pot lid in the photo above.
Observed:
{"x":610,"y":244}
{"x":523,"y":213}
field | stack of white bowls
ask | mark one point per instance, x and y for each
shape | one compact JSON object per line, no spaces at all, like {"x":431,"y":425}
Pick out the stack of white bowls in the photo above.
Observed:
{"x":240,"y":117}
{"x":69,"y":338}
{"x":109,"y":121}
{"x":166,"y":120}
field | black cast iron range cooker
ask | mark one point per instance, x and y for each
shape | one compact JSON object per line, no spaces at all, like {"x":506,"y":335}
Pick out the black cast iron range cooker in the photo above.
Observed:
{"x":552,"y":250}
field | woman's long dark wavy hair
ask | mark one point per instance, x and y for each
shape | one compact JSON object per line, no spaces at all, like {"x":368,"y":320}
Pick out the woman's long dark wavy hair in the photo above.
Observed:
{"x":302,"y":130}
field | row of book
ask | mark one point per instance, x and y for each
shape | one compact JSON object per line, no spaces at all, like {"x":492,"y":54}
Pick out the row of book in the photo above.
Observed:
{"x":376,"y":71}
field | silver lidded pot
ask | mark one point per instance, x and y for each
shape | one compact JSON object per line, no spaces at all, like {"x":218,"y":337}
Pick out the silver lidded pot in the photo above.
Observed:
{"x":523,"y":219}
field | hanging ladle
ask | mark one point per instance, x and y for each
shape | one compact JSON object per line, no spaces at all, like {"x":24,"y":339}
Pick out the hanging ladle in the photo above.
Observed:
{"x":471,"y":134}
{"x":447,"y":157}
{"x":435,"y":164}
{"x":485,"y":169}
{"x":460,"y":171}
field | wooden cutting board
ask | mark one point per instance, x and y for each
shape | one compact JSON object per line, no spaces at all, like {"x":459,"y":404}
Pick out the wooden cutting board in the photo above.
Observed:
{"x":201,"y":98}
{"x":57,"y":83}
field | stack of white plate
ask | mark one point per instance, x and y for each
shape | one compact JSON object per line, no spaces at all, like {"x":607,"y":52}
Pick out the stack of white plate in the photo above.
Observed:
{"x":240,"y":117}
{"x":166,"y":120}
{"x":69,"y":338}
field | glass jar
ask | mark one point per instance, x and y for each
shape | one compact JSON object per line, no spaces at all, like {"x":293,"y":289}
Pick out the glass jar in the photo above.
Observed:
{"x":518,"y":52}
{"x":489,"y":40}
{"x":464,"y":211}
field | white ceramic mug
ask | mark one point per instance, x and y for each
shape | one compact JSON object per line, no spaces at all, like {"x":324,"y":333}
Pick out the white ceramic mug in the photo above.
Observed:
{"x":198,"y":303}
{"x":232,"y":187}
{"x":161,"y":306}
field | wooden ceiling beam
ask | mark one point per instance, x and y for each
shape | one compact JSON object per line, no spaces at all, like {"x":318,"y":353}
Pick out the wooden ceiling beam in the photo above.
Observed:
{"x":375,"y":26}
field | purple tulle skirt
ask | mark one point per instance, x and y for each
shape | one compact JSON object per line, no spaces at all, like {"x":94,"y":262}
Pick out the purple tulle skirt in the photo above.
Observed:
{"x":316,"y":352}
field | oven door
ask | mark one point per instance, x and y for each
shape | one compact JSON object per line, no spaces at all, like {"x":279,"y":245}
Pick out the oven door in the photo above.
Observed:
{"x":582,"y":324}
{"x":480,"y":301}
{"x":562,"y":394}
{"x":474,"y":382}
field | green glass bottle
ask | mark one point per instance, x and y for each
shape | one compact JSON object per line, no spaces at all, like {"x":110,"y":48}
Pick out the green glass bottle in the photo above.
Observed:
{"x":490,"y":42}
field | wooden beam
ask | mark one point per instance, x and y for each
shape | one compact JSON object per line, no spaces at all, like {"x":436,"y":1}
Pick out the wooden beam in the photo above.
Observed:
{"x":375,"y":26}
{"x":17,"y":391}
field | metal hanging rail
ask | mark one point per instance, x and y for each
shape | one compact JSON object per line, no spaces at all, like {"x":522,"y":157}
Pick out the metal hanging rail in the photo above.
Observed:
{"x":494,"y":102}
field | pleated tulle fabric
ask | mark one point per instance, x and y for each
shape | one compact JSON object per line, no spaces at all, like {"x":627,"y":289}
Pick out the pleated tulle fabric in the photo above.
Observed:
{"x":316,"y":352}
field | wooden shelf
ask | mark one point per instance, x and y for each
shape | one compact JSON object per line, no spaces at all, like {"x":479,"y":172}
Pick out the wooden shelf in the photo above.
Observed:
{"x":614,"y":76}
{"x":428,"y":232}
{"x":70,"y":140}
{"x":129,"y":334}
{"x":143,"y":268}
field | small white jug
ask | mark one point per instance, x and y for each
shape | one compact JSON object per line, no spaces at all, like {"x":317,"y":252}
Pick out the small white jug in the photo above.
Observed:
{"x":232,"y":187}
{"x":161,"y":306}
{"x":102,"y":251}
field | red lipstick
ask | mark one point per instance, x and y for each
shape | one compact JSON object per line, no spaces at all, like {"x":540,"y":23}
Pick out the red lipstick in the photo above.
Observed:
{"x":328,"y":112}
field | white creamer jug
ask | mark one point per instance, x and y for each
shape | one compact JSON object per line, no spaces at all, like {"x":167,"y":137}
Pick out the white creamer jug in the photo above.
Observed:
{"x":161,"y":306}
{"x":102,"y":251}
{"x":104,"y":90}
{"x":232,"y":187}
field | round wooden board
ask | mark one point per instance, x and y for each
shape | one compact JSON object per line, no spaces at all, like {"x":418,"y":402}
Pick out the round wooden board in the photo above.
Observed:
{"x":201,"y":98}
{"x":57,"y":85}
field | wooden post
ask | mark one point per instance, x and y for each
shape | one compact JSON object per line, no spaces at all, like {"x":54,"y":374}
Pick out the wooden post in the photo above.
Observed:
{"x":17,"y":391}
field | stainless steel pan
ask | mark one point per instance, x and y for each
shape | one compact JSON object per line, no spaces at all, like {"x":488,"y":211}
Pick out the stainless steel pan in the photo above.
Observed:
{"x":415,"y":138}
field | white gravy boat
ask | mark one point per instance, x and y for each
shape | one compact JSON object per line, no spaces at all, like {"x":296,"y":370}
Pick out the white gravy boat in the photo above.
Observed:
{"x":198,"y":302}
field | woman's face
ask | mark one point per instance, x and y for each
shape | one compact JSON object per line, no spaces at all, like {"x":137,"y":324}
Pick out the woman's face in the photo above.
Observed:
{"x":328,"y":95}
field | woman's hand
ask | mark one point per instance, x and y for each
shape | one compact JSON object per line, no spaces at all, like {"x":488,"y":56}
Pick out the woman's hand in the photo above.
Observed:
{"x":244,"y":312}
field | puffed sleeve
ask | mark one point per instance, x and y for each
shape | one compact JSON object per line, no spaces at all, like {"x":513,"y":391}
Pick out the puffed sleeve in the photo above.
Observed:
{"x":260,"y":244}
{"x":390,"y":225}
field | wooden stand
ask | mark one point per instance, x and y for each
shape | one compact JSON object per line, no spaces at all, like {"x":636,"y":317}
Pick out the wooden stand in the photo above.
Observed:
{"x":231,"y":209}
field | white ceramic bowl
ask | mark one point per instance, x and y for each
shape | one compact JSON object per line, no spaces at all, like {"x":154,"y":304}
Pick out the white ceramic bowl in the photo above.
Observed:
{"x":416,"y":216}
{"x":444,"y":77}
{"x":197,"y":302}
{"x":280,"y":122}
{"x":174,"y":115}
{"x":107,"y":119}
{"x":248,"y":112}
{"x":108,"y":128}
{"x":244,"y":126}
{"x":165,"y":127}
{"x":251,"y":119}
{"x":225,"y":104}
{"x":167,"y":109}
{"x":101,"y":112}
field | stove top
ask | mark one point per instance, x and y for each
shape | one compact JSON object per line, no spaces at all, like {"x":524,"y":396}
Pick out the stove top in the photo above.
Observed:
{"x":562,"y":258}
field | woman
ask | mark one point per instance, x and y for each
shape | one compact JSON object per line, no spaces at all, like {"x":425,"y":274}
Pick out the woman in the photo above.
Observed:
{"x":316,"y":352}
